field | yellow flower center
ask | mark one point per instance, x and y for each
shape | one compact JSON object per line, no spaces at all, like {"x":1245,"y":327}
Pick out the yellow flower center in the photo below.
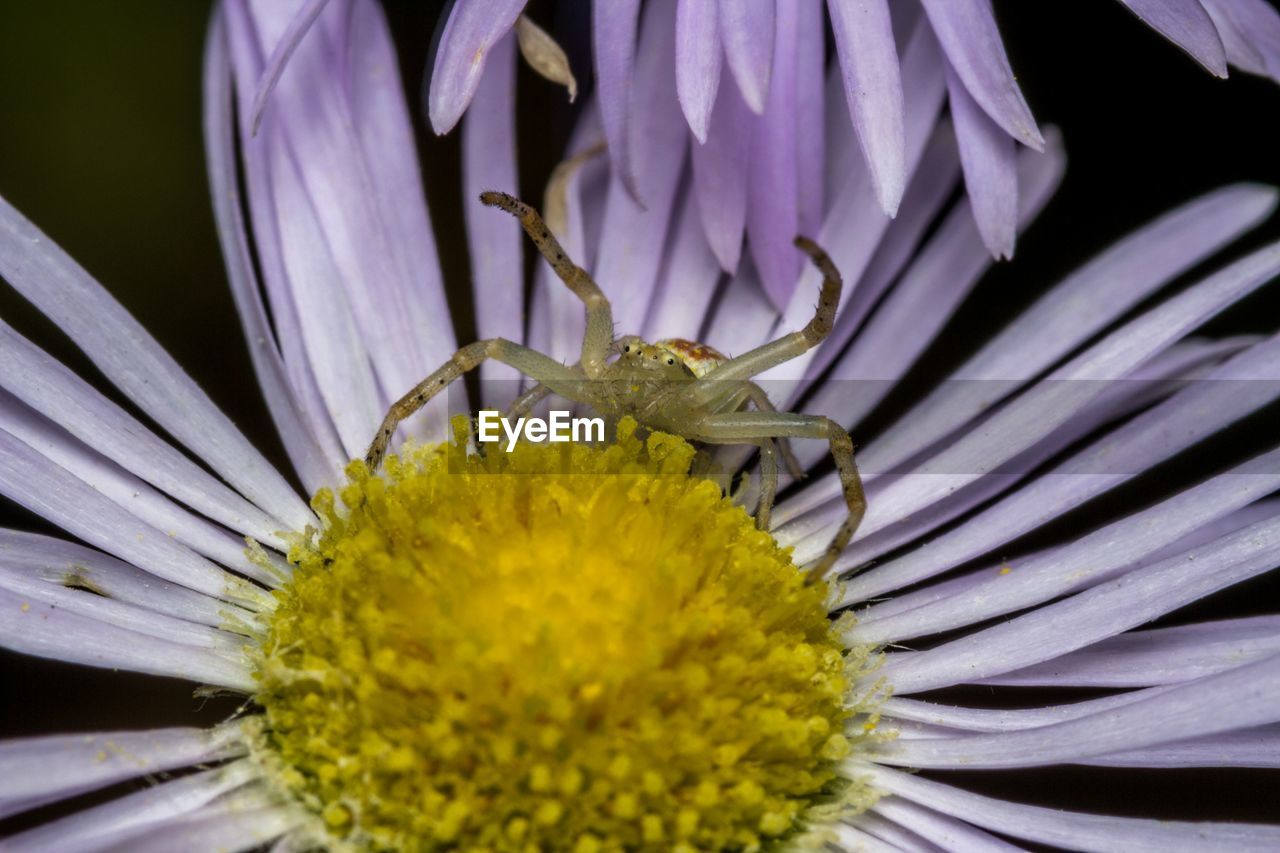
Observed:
{"x":561,"y":648}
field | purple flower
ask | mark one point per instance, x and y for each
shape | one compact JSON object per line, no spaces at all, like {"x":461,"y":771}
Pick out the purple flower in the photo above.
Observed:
{"x":749,"y":83}
{"x":334,"y":271}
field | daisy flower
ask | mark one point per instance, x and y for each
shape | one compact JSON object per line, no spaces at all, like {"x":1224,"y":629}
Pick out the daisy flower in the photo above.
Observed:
{"x":483,"y":652}
{"x":750,"y":75}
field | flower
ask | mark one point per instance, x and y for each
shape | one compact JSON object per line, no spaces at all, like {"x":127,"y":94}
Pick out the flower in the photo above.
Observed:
{"x":754,"y":71}
{"x":1044,"y":411}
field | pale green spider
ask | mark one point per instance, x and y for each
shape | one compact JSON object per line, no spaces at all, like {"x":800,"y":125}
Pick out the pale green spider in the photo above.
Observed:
{"x":674,"y":386}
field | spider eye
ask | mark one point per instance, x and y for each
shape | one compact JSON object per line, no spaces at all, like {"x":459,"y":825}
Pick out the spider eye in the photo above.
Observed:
{"x":670,"y":360}
{"x":626,"y":348}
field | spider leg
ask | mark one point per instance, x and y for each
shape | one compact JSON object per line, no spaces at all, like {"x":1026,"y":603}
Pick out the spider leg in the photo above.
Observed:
{"x":768,"y":483}
{"x":556,"y":376}
{"x":523,"y":404}
{"x":762,"y":402}
{"x":784,"y":348}
{"x":751,"y":427}
{"x":599,"y":335}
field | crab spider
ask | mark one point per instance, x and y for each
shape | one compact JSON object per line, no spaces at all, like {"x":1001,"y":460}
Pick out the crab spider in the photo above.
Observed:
{"x":673,"y":386}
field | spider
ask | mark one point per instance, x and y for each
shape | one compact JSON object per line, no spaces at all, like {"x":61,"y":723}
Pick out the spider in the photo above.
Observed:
{"x":673,"y":386}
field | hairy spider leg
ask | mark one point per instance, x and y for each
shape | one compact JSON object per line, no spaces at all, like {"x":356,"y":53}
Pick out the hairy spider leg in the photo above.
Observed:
{"x":768,"y":483}
{"x":598,"y":340}
{"x":762,"y":403}
{"x":784,"y":348}
{"x":751,"y":427}
{"x":551,"y":373}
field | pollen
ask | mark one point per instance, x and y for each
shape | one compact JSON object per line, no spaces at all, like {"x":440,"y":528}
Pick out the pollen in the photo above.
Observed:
{"x":566,"y":647}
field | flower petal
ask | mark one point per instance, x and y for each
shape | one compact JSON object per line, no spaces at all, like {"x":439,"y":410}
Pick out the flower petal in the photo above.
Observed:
{"x":1144,"y":261}
{"x":632,"y":237}
{"x":946,"y":832}
{"x":613,"y":44}
{"x":1195,"y":709}
{"x":138,"y":366}
{"x":1071,"y":829}
{"x":1157,"y":656}
{"x":881,"y":830}
{"x":472,"y":29}
{"x":1197,"y":412}
{"x":990,"y":169}
{"x":1250,"y":31}
{"x":37,"y":379}
{"x":495,"y":241}
{"x":773,"y":182}
{"x":46,"y":630}
{"x":1186,"y":24}
{"x":1256,"y":747}
{"x":811,"y":108}
{"x":312,"y":447}
{"x":155,"y":804}
{"x":698,"y":60}
{"x":687,"y":283}
{"x":306,"y":15}
{"x":218,"y":829}
{"x":720,"y":177}
{"x":67,"y":564}
{"x":1005,"y":719}
{"x":873,"y":90}
{"x":37,"y":484}
{"x":747,"y":32}
{"x":1095,"y":614}
{"x":54,"y":767}
{"x":969,"y":36}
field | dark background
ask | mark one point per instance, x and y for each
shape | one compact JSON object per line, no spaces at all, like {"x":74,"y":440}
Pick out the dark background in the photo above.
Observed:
{"x":100,"y":145}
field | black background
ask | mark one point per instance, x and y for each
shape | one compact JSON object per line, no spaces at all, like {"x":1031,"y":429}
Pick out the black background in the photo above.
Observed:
{"x":100,"y":145}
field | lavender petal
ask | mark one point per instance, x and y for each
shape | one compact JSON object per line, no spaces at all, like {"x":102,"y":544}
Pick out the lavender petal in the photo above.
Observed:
{"x":306,"y":15}
{"x":990,"y":170}
{"x":472,"y":29}
{"x":720,"y":177}
{"x":1250,"y":31}
{"x":613,"y":42}
{"x":969,"y":36}
{"x":873,"y":90}
{"x":698,"y":60}
{"x":747,"y":32}
{"x":946,"y":832}
{"x":1186,"y":24}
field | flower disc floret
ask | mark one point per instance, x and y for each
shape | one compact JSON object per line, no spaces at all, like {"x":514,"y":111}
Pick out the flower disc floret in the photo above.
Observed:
{"x":565,"y":647}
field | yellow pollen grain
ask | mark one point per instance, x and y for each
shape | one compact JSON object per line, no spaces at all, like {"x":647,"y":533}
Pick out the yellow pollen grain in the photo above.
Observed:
{"x":566,"y":647}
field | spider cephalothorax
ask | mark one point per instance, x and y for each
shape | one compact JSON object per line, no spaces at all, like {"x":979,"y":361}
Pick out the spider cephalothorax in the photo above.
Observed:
{"x":675,"y":386}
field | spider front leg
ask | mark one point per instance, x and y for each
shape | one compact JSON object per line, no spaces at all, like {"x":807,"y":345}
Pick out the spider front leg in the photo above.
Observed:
{"x":598,"y":340}
{"x":551,"y":373}
{"x":752,"y":427}
{"x":768,"y":483}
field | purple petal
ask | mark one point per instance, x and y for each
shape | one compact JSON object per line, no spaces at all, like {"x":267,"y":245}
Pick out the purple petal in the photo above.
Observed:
{"x":698,"y":60}
{"x":50,"y":388}
{"x":473,"y":28}
{"x":1010,"y":719}
{"x":632,"y":238}
{"x":743,"y":314}
{"x":1250,"y":31}
{"x":613,"y":43}
{"x":773,"y":197}
{"x":312,"y":447}
{"x":1143,"y":261}
{"x":1048,"y":405}
{"x":127,"y":491}
{"x":1256,"y":747}
{"x":1158,"y":656}
{"x":1186,"y":24}
{"x":34,"y":482}
{"x":688,"y":281}
{"x":894,"y":837}
{"x":224,"y":826}
{"x":1069,"y":829}
{"x":46,"y":630}
{"x":1087,"y":617}
{"x":747,"y":32}
{"x":946,"y":832}
{"x":494,"y":241}
{"x":1197,"y":412}
{"x":873,"y":89}
{"x":155,"y":804}
{"x":1190,"y":710}
{"x":1009,"y":587}
{"x":990,"y":170}
{"x":811,"y":115}
{"x":133,"y":360}
{"x":720,"y":177}
{"x":44,"y":769}
{"x":61,"y":563}
{"x":969,"y":36}
{"x":306,"y":15}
